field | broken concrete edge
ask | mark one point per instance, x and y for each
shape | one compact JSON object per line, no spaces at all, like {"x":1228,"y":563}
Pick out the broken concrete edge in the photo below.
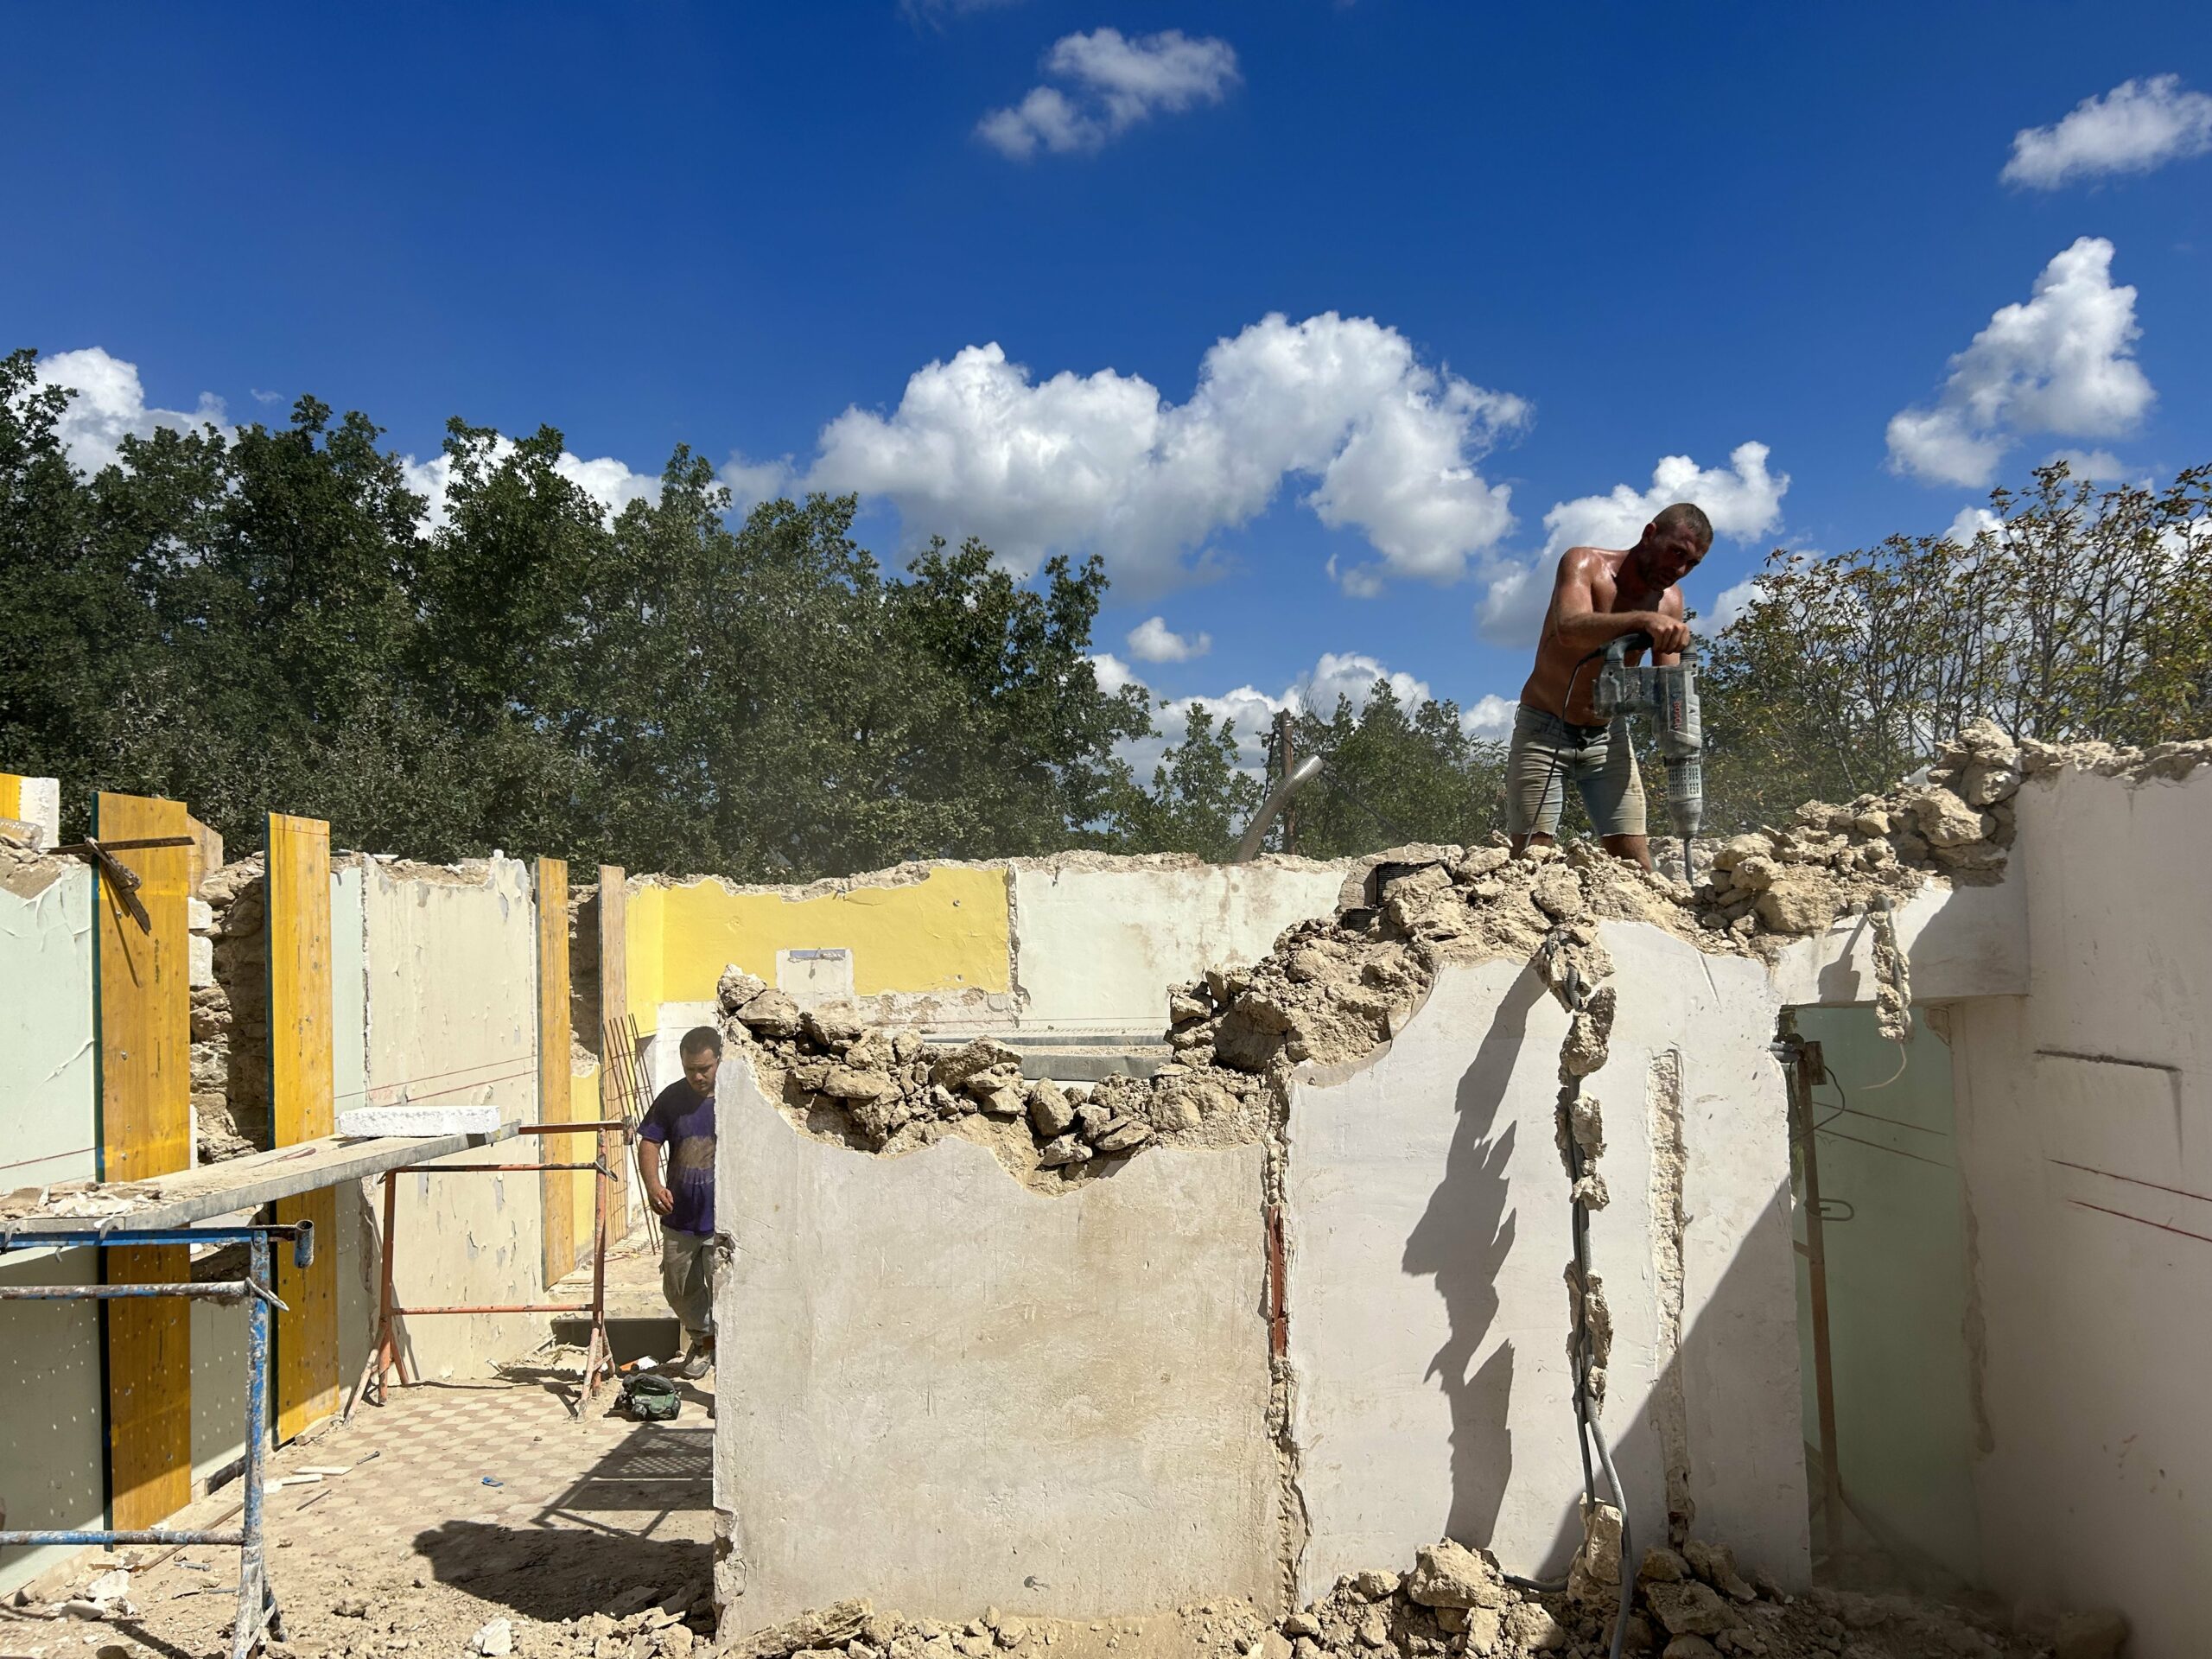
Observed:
{"x":1455,"y":1600}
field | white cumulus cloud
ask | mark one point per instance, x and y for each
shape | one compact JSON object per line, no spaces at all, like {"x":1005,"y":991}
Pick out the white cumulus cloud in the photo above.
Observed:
{"x":1101,"y":462}
{"x":2136,"y":126}
{"x":1113,"y":82}
{"x":2060,"y":362}
{"x":1743,"y":499}
{"x":1153,"y":641}
{"x":110,"y":405}
{"x":1350,"y":675}
{"x":606,"y":480}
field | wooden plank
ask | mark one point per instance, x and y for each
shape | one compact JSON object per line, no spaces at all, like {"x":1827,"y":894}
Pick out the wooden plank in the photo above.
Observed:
{"x":614,"y":1008}
{"x":148,"y":1388}
{"x":145,"y":1072}
{"x":557,"y":1230}
{"x":260,"y":1178}
{"x":301,"y":1079}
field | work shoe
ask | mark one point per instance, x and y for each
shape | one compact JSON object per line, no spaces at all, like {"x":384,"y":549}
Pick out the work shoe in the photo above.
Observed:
{"x":696,"y":1364}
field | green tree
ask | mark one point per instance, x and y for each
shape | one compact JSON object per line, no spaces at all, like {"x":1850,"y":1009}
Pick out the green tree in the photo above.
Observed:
{"x":1200,"y":798}
{"x":2081,"y":613}
{"x":1392,"y":774}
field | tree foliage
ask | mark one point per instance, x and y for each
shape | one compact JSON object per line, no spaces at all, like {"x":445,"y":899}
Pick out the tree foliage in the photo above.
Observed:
{"x":2080,"y":614}
{"x":269,"y":619}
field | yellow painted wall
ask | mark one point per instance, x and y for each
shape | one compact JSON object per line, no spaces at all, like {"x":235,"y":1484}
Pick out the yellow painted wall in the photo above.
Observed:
{"x":11,"y":795}
{"x":945,"y":932}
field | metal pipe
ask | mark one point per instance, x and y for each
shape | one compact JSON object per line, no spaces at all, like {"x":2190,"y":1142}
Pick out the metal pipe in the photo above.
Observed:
{"x":228,"y":1292}
{"x":122,"y":1236}
{"x":1247,"y":845}
{"x":577,"y":1128}
{"x":144,"y":1535}
{"x":256,"y":1602}
{"x":495,"y":1308}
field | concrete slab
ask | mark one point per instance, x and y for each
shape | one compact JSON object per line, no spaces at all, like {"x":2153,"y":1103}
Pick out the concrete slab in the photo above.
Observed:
{"x":943,"y":1391}
{"x":374,"y":1122}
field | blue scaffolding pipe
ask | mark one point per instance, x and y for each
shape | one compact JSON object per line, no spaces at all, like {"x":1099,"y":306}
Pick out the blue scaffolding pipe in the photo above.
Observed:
{"x":257,"y":1610}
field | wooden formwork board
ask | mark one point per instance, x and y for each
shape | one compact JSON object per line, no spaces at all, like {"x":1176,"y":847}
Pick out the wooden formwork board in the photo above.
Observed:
{"x":303,"y":1076}
{"x":555,"y":1097}
{"x":145,"y":1130}
{"x":613,"y":1009}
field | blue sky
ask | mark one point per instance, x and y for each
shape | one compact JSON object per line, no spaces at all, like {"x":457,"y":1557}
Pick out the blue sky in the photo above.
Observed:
{"x":1519,"y":255}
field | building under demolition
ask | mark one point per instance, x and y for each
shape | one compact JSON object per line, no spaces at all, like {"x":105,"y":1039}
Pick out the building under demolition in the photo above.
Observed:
{"x":1136,"y":1253}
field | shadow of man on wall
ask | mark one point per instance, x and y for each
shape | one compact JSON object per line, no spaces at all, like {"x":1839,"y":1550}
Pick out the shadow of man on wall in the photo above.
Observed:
{"x":1462,"y":1240}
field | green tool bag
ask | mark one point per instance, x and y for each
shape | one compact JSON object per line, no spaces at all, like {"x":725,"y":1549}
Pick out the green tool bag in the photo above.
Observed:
{"x":651,"y":1398}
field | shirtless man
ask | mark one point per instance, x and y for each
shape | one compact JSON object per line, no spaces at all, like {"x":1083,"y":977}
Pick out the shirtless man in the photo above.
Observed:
{"x":1597,"y":595}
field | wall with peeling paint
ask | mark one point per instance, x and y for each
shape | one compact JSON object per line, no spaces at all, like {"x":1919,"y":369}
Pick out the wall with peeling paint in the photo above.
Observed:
{"x":452,"y":1017}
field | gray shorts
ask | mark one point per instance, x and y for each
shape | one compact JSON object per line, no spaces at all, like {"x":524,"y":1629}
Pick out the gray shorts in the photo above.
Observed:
{"x":1547,"y":755}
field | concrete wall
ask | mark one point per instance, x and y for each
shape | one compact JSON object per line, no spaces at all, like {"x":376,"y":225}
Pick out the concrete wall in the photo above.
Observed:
{"x":1097,"y":945}
{"x":50,"y":1440}
{"x":452,"y":1017}
{"x":2086,"y":1140}
{"x":1427,"y":1223}
{"x":944,"y":1391}
{"x":1079,"y":941}
{"x":1899,"y":1288}
{"x":48,"y":1086}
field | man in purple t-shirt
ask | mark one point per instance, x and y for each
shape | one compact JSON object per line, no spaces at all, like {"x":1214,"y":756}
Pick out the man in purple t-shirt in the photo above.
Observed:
{"x":682,"y":1121}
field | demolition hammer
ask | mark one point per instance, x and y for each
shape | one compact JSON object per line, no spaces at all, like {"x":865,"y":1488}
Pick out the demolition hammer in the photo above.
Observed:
{"x":1669,"y":695}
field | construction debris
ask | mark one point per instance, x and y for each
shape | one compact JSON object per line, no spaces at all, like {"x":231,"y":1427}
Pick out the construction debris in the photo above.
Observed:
{"x":1336,"y":989}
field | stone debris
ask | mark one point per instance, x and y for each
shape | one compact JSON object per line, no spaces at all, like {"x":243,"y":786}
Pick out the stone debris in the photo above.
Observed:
{"x":79,"y":1200}
{"x":1336,"y":989}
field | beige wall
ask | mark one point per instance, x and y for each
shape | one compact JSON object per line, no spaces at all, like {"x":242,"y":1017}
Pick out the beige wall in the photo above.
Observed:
{"x":452,"y":1016}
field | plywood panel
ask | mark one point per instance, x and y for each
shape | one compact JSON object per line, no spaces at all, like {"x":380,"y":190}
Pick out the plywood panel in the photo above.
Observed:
{"x":613,"y":1004}
{"x":145,"y":1007}
{"x":554,"y":1094}
{"x":303,"y":1078}
{"x":145,"y":1130}
{"x":149,"y":1389}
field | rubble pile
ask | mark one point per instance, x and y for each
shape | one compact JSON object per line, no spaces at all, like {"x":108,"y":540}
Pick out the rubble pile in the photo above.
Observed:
{"x":1335,"y":988}
{"x":891,"y":1091}
{"x":1694,"y":1604}
{"x":230,"y":1015}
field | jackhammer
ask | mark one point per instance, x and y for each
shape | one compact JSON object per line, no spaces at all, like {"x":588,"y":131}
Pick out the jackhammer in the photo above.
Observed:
{"x":1669,"y":695}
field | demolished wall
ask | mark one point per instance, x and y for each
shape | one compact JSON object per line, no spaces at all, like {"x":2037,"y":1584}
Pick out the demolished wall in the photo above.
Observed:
{"x":1408,"y":1078}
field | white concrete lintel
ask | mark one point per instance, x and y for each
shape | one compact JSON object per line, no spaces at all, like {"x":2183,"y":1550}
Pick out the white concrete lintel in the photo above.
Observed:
{"x":1960,"y":942}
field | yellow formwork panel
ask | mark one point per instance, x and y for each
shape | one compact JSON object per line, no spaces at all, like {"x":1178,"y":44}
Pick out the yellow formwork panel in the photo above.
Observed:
{"x":949,"y":931}
{"x":303,"y":1075}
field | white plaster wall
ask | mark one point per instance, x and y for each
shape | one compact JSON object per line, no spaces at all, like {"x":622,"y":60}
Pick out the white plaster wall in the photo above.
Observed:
{"x":2086,"y":1142}
{"x":1427,"y":1224}
{"x":943,"y":1391}
{"x":48,"y":1125}
{"x":357,"y":1243}
{"x":1960,"y":942}
{"x":452,"y":1017}
{"x":1098,"y":948}
{"x":51,"y":1421}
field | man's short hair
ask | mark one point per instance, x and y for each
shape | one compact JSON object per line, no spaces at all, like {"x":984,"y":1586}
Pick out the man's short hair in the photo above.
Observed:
{"x":700,"y":1040}
{"x":1684,"y":515}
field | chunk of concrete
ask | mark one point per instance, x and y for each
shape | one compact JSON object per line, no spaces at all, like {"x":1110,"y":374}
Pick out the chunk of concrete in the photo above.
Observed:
{"x":380,"y":1122}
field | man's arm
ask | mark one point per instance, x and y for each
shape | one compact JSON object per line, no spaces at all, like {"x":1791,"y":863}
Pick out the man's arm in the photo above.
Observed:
{"x":1670,"y":607}
{"x":656,"y":1196}
{"x":1576,"y":621}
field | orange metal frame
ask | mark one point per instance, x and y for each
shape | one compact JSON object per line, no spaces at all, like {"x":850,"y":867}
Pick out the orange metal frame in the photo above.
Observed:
{"x":388,"y":1356}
